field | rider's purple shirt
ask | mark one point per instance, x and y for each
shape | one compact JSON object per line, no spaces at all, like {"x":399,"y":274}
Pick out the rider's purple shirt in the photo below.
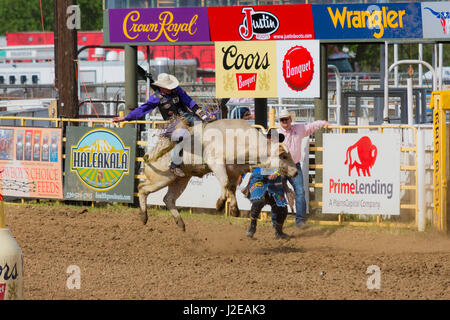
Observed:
{"x":153,"y":102}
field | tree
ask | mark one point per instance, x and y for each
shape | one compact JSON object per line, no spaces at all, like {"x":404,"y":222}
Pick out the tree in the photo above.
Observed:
{"x":25,"y":15}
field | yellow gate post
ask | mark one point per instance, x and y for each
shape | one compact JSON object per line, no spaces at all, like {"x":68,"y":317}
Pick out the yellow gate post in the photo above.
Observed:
{"x":440,"y":102}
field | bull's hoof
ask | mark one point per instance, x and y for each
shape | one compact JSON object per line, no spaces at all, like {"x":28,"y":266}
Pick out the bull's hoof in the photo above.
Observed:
{"x":180,"y":224}
{"x":144,"y":217}
{"x":220,"y":204}
{"x":235,"y":212}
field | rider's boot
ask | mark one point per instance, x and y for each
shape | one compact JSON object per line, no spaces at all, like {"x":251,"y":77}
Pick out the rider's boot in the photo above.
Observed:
{"x":176,"y":170}
{"x":279,"y":234}
{"x":252,"y":229}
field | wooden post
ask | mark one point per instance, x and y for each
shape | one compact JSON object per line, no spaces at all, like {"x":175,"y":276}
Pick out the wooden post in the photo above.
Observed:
{"x":65,"y":56}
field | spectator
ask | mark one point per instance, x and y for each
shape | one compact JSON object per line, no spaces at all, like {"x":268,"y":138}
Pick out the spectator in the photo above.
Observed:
{"x":293,"y":136}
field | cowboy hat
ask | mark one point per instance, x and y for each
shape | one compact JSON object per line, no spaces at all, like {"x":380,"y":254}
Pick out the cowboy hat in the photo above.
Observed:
{"x":166,"y":81}
{"x":284,"y":114}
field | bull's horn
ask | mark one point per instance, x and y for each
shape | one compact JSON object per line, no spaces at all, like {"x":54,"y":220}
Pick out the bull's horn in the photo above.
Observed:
{"x":437,"y":14}
{"x":282,"y":148}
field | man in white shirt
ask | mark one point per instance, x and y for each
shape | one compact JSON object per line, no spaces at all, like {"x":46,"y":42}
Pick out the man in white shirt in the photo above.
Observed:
{"x":293,"y":135}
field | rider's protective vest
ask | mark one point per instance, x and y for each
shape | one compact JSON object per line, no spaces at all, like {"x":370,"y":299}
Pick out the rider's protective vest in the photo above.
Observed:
{"x":170,"y":106}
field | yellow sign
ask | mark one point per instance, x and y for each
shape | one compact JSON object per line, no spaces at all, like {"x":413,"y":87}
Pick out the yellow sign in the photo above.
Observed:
{"x":440,"y":101}
{"x":246,"y":69}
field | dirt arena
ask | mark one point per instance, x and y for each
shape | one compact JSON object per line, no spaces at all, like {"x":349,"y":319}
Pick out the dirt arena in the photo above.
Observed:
{"x":120,"y":258}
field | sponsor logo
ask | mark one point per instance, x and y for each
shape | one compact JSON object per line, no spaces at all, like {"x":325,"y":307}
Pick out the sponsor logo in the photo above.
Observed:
{"x":100,"y":159}
{"x":298,"y":68}
{"x":258,"y":24}
{"x":233,"y":59}
{"x":6,"y":272}
{"x":444,"y":19}
{"x":367,"y":153}
{"x":372,"y":18}
{"x":164,"y":28}
{"x":2,"y":291}
{"x":246,"y":81}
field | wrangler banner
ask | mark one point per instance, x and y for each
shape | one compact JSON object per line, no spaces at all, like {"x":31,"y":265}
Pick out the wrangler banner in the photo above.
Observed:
{"x":99,"y":164}
{"x":368,"y":21}
{"x":30,"y":161}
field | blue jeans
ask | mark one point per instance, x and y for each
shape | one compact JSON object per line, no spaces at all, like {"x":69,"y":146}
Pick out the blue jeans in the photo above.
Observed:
{"x":300,"y":202}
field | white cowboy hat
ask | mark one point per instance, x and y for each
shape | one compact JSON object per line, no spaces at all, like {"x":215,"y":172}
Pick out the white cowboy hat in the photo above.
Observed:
{"x":166,"y":81}
{"x":284,"y":114}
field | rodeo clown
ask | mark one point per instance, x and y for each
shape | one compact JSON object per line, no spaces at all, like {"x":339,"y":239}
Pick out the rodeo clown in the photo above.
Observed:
{"x":172,"y":101}
{"x":266,"y":186}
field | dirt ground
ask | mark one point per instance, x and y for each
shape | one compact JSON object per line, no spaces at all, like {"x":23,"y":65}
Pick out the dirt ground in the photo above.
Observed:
{"x":120,"y":258}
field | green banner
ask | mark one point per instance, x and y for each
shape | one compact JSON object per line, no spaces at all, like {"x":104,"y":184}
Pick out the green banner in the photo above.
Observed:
{"x":99,"y":164}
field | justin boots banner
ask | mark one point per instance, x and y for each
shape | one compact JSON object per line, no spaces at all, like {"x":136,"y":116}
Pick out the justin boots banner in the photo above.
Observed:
{"x":268,"y":69}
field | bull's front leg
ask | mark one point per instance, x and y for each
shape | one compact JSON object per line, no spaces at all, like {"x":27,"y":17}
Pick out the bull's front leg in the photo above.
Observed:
{"x":143,"y":192}
{"x":173,"y":193}
{"x":148,"y":186}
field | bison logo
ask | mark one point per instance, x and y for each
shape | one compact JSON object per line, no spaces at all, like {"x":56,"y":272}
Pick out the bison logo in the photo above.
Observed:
{"x":367,"y":154}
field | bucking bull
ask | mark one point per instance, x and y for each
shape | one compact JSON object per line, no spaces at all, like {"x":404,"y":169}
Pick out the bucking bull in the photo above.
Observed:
{"x":228,"y":148}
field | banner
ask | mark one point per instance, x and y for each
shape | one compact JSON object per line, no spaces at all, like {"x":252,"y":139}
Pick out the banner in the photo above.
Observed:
{"x":368,"y":21}
{"x":30,"y":158}
{"x":246,"y":69}
{"x":100,"y":164}
{"x":361,"y":173}
{"x":158,"y":25}
{"x":436,"y":19}
{"x":268,"y":69}
{"x":298,"y":69}
{"x":280,"y":22}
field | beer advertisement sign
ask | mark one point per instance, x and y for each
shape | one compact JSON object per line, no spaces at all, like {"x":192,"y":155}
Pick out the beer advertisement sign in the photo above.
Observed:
{"x":30,"y":162}
{"x":298,"y":69}
{"x":361,"y":173}
{"x":246,"y":69}
{"x":269,"y":69}
{"x":100,"y":164}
